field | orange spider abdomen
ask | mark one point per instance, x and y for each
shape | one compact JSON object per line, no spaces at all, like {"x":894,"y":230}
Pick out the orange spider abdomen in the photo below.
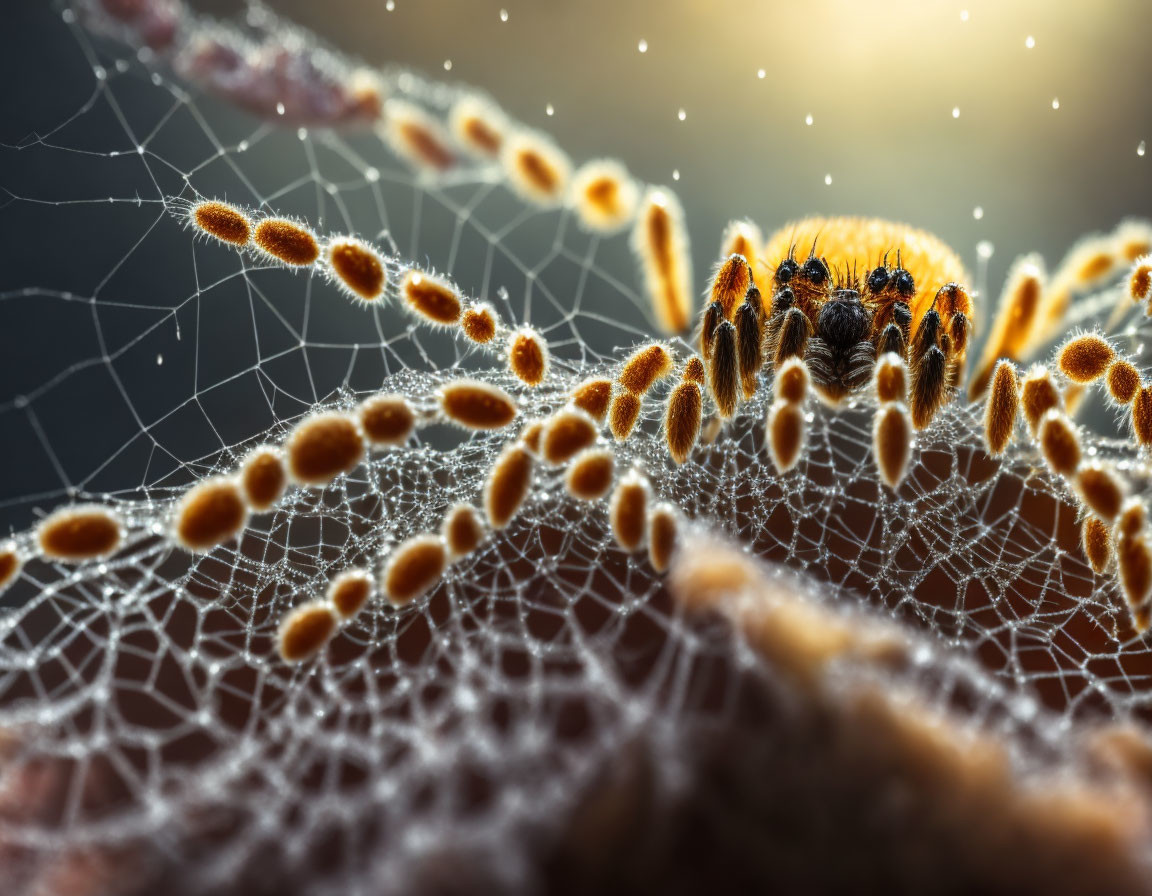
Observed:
{"x":845,"y":241}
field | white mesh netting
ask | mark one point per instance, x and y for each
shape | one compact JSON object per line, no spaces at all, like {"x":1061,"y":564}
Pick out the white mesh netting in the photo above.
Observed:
{"x":142,"y":700}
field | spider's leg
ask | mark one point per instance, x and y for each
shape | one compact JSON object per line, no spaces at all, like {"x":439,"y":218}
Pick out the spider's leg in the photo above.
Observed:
{"x":724,"y":369}
{"x":928,"y":365}
{"x":750,"y":338}
{"x":786,"y":429}
{"x":685,"y":410}
{"x":892,"y":426}
{"x":710,"y":318}
{"x":954,"y":306}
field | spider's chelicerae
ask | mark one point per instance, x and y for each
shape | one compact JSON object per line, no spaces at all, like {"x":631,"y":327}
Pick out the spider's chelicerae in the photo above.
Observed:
{"x":909,"y":301}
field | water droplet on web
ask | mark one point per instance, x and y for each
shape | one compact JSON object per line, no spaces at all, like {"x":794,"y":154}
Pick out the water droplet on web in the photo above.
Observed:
{"x":447,"y":65}
{"x":1055,"y":103}
{"x":985,"y":249}
{"x":955,"y":111}
{"x":549,"y":109}
{"x":159,"y":360}
{"x":1141,"y":148}
{"x":279,"y":108}
{"x":503,"y":15}
{"x":1029,"y":42}
{"x":642,"y":46}
{"x":681,"y":114}
{"x":963,"y":15}
{"x":828,"y":180}
{"x":808,"y":119}
{"x":390,"y":5}
{"x":675,"y":174}
{"x":760,"y":73}
{"x":978,"y":213}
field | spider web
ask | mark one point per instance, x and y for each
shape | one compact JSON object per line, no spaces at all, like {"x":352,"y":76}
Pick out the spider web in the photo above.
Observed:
{"x":146,"y":689}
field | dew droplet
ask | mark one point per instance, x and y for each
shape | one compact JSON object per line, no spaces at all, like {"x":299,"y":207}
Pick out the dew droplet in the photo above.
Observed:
{"x":1141,"y":148}
{"x":447,"y":65}
{"x":279,"y":108}
{"x":955,"y":111}
{"x":642,"y":46}
{"x":681,"y":114}
{"x":676,"y":172}
{"x":808,"y":120}
{"x":828,"y":180}
{"x":985,"y":249}
{"x":503,"y":15}
{"x":390,"y":5}
{"x":1055,"y":103}
{"x":159,"y":360}
{"x":963,"y":15}
{"x":550,"y":109}
{"x":1029,"y":42}
{"x":978,"y":212}
{"x":760,"y":73}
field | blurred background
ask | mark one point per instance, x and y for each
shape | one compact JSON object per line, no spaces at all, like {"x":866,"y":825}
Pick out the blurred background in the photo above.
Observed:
{"x":1015,"y":122}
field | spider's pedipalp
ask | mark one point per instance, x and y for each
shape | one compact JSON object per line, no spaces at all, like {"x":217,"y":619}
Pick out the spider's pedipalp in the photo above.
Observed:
{"x":892,"y":341}
{"x":792,"y":336}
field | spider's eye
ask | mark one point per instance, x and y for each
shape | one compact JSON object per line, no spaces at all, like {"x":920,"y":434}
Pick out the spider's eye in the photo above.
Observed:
{"x":786,"y":271}
{"x":816,"y":271}
{"x":878,"y":279}
{"x":904,"y":283}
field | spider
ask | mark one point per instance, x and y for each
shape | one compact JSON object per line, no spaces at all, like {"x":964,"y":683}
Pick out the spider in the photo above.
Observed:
{"x":839,"y":322}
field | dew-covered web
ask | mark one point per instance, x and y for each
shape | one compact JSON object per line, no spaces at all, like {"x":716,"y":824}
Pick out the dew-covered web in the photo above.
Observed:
{"x":146,"y":358}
